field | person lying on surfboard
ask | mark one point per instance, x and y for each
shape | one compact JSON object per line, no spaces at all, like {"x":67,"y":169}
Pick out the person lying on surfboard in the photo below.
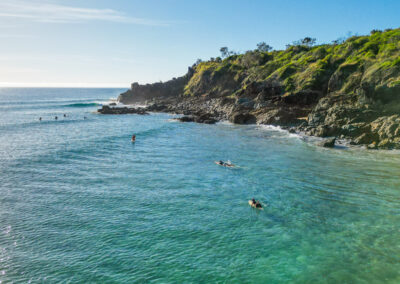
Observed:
{"x":225,"y":164}
{"x":255,"y":204}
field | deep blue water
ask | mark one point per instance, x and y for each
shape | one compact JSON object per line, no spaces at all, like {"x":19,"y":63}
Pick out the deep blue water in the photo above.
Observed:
{"x":80,"y":203}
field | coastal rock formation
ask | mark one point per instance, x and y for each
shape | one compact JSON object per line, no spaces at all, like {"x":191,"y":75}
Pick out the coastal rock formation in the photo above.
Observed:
{"x":148,"y":92}
{"x":121,"y":110}
{"x":349,"y":90}
{"x":204,"y":118}
{"x":242,"y":118}
{"x":327,"y":143}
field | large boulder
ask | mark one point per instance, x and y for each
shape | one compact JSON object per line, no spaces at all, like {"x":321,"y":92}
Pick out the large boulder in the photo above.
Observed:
{"x":199,"y":118}
{"x":354,"y":129}
{"x":366,"y":138}
{"x":242,"y":118}
{"x":323,"y":131}
{"x":205,"y":118}
{"x":386,"y":144}
{"x":185,"y":119}
{"x":387,"y":127}
{"x":157,"y":107}
{"x":327,"y":143}
{"x":121,"y":110}
{"x":280,"y":116}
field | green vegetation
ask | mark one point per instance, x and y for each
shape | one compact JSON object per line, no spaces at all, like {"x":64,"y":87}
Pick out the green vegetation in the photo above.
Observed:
{"x":370,"y":64}
{"x":263,"y":47}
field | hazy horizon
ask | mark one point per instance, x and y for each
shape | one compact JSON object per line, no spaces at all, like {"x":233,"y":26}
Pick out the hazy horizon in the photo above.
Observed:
{"x":63,"y":85}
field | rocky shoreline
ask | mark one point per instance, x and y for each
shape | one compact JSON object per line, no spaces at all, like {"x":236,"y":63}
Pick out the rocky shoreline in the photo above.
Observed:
{"x":349,"y":90}
{"x":121,"y":110}
{"x":364,"y":126}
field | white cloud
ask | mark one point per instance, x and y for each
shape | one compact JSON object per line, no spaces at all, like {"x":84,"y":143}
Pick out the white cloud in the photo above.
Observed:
{"x":52,"y":13}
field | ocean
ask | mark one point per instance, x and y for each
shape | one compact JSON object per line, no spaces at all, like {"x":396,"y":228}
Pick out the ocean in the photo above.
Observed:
{"x":80,"y":203}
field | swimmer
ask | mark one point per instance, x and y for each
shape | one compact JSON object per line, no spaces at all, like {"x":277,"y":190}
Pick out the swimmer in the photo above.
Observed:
{"x":225,"y":164}
{"x":255,"y":204}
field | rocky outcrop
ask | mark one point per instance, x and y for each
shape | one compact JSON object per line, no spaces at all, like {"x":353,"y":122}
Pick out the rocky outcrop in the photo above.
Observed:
{"x":185,"y":118}
{"x":349,"y":90}
{"x":203,"y":118}
{"x":242,"y":118}
{"x":142,"y":93}
{"x":121,"y":110}
{"x":327,"y":143}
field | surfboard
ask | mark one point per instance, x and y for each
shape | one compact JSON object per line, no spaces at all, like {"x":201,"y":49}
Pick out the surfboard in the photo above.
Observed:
{"x":225,"y":165}
{"x":254,"y":206}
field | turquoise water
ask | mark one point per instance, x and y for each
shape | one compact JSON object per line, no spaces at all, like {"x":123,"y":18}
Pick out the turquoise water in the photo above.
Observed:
{"x":80,"y":203}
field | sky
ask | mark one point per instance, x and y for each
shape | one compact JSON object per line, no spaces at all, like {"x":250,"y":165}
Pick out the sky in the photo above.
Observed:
{"x":104,"y":43}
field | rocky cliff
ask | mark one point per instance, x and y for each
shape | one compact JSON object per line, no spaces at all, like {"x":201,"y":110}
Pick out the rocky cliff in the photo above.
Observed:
{"x":348,"y":90}
{"x":143,"y":93}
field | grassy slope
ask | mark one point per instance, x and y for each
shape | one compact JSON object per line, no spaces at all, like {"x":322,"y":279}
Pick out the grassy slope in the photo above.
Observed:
{"x":364,"y":65}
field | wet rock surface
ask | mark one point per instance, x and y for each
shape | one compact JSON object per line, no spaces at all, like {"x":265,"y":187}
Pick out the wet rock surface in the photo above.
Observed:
{"x":327,"y":143}
{"x":122,"y":110}
{"x":199,"y":118}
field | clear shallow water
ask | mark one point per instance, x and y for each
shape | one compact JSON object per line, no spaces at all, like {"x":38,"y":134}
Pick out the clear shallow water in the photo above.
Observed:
{"x":79,"y":202}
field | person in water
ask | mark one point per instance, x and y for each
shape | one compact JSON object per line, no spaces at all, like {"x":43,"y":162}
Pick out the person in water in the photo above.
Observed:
{"x":65,"y":115}
{"x":56,"y":118}
{"x":133,"y":138}
{"x":40,"y":118}
{"x":256,"y":204}
{"x":225,"y":164}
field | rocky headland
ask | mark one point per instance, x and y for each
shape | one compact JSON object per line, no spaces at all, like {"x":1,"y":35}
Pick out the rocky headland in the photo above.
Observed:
{"x":349,"y":89}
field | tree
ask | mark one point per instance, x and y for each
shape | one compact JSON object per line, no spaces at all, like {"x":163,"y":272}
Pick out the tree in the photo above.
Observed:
{"x":224,"y":52}
{"x":375,"y":31}
{"x":339,"y":40}
{"x":308,"y":41}
{"x":251,"y":58}
{"x":263,"y":47}
{"x":198,"y":61}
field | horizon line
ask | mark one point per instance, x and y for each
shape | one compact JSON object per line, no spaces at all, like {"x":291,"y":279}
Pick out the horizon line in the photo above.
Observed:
{"x":64,"y":85}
